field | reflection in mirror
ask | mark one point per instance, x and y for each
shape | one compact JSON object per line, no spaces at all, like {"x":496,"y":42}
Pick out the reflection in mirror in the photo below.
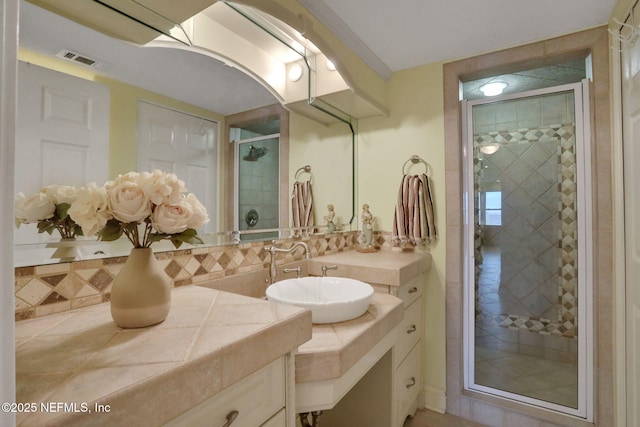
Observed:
{"x":257,"y":183}
{"x":184,"y":81}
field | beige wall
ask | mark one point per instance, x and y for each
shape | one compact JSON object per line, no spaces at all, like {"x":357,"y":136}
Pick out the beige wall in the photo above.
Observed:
{"x":415,"y":126}
{"x":327,"y":149}
{"x":384,"y":144}
{"x":123,"y":109}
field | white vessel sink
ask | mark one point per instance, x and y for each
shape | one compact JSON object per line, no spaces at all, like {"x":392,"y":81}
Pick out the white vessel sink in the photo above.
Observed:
{"x":331,"y":299}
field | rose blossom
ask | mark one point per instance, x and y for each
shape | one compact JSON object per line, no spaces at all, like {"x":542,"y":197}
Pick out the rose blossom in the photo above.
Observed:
{"x":33,"y":208}
{"x":89,"y":210}
{"x":60,"y":193}
{"x":127,"y":200}
{"x":172,"y":218}
{"x":199,"y":216}
{"x":162,"y":187}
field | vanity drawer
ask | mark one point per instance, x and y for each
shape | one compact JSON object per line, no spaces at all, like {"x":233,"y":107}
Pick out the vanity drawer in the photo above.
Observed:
{"x":410,"y":330}
{"x":407,"y":385}
{"x":255,"y":398}
{"x":410,"y":291}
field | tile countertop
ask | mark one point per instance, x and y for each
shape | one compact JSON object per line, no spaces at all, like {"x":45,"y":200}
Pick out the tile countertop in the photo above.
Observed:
{"x":381,"y":268}
{"x":337,"y":347}
{"x":69,"y":362}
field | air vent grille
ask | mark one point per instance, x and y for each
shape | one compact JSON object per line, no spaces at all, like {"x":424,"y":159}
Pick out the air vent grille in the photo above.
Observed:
{"x":78,"y":58}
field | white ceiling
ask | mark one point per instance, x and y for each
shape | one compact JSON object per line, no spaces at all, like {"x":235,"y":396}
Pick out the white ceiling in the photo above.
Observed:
{"x":187,"y":76}
{"x":400,"y":34}
{"x":389,"y":35}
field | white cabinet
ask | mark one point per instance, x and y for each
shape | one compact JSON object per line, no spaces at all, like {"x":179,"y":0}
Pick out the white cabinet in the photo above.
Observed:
{"x":407,"y":352}
{"x":256,"y":400}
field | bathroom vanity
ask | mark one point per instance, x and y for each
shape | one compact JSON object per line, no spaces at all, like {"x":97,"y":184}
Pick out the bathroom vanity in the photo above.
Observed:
{"x":216,"y":354}
{"x":221,"y":355}
{"x":403,"y":275}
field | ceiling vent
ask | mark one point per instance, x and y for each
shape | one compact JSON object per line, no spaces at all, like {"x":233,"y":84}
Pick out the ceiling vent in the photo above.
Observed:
{"x":77,"y":58}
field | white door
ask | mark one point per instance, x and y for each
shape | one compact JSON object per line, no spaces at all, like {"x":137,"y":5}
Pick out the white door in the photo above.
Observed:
{"x":631,"y":150}
{"x":183,"y":144}
{"x":62,"y":134}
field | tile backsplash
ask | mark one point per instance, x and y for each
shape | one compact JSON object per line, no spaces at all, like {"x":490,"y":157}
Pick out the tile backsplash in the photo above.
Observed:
{"x":53,"y":288}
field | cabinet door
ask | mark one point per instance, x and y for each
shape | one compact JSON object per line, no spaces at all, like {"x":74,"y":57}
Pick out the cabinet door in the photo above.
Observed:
{"x":407,"y":385}
{"x":251,"y":401}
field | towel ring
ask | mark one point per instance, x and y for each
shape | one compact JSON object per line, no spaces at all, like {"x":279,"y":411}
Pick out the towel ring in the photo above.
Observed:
{"x":413,"y":160}
{"x":304,"y":169}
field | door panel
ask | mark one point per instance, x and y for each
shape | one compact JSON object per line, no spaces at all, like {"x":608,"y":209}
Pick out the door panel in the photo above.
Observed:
{"x":527,"y":278}
{"x":631,"y":158}
{"x":182,"y":144}
{"x":62,"y":134}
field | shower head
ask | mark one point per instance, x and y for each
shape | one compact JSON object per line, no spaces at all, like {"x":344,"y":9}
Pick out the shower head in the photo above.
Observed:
{"x":255,"y":153}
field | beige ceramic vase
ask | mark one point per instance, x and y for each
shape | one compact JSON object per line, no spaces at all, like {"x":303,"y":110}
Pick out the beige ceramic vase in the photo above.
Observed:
{"x":141,"y":292}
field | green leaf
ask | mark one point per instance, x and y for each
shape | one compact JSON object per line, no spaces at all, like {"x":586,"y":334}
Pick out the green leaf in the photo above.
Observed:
{"x":112,"y":230}
{"x":46,"y":226}
{"x":61,"y":210}
{"x":156,"y":237}
{"x":176,"y":241}
{"x":131,"y":227}
{"x":188,"y":236}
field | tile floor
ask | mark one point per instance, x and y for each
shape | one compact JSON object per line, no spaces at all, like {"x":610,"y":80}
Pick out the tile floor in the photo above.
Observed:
{"x":426,"y":418}
{"x":518,"y":361}
{"x":531,"y":376}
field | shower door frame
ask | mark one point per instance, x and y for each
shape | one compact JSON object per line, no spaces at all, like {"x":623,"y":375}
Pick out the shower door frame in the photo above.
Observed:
{"x":585,"y":257}
{"x":236,"y":174}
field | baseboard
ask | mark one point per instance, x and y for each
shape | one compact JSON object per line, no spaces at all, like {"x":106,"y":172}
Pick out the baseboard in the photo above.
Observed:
{"x":435,"y":399}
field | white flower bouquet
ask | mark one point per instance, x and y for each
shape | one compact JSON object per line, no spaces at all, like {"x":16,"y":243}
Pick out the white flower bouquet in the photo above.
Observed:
{"x":146,"y":207}
{"x":49,"y":208}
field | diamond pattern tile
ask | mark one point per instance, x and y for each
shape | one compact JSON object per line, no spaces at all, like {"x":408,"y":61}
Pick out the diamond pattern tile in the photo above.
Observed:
{"x":528,"y":158}
{"x":85,"y":283}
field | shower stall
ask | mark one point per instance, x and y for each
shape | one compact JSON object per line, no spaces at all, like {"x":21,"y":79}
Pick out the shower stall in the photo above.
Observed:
{"x":528,"y":288}
{"x":257,"y":207}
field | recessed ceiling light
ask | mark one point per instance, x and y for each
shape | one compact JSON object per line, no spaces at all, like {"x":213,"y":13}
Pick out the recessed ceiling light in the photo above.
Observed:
{"x":295,"y":72}
{"x":489,"y":148}
{"x":493,"y":88}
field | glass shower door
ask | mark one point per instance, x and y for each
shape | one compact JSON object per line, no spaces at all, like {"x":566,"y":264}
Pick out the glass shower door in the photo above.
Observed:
{"x":258,"y":187}
{"x":527,"y":280}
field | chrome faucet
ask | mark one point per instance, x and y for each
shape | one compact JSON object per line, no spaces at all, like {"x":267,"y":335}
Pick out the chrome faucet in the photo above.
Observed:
{"x":273,"y":250}
{"x":328,"y":267}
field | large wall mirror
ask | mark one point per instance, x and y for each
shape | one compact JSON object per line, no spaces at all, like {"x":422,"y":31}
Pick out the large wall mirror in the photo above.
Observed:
{"x":219,"y":106}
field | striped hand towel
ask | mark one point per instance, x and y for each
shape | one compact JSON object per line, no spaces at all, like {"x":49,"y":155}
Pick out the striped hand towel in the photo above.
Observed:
{"x":302,"y":204}
{"x":414,"y":220}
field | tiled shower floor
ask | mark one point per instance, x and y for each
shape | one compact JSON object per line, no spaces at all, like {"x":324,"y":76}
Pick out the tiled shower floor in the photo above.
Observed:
{"x":516,"y":361}
{"x":542,"y":379}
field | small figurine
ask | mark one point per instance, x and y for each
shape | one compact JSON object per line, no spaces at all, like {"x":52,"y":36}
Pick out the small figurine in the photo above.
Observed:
{"x":366,"y":237}
{"x":331,"y":227}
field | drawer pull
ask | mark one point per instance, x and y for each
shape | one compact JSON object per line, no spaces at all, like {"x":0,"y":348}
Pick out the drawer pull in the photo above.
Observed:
{"x":231,"y":417}
{"x":413,"y":290}
{"x":411,"y":382}
{"x":412,"y":329}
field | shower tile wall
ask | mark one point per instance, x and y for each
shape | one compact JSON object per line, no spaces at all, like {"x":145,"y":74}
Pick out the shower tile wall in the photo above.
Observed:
{"x":258,"y":186}
{"x":537,"y":288}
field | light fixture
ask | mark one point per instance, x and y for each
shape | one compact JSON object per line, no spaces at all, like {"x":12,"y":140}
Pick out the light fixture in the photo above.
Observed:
{"x":295,"y":72}
{"x":493,"y":88}
{"x":489,"y":148}
{"x":330,"y":65}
